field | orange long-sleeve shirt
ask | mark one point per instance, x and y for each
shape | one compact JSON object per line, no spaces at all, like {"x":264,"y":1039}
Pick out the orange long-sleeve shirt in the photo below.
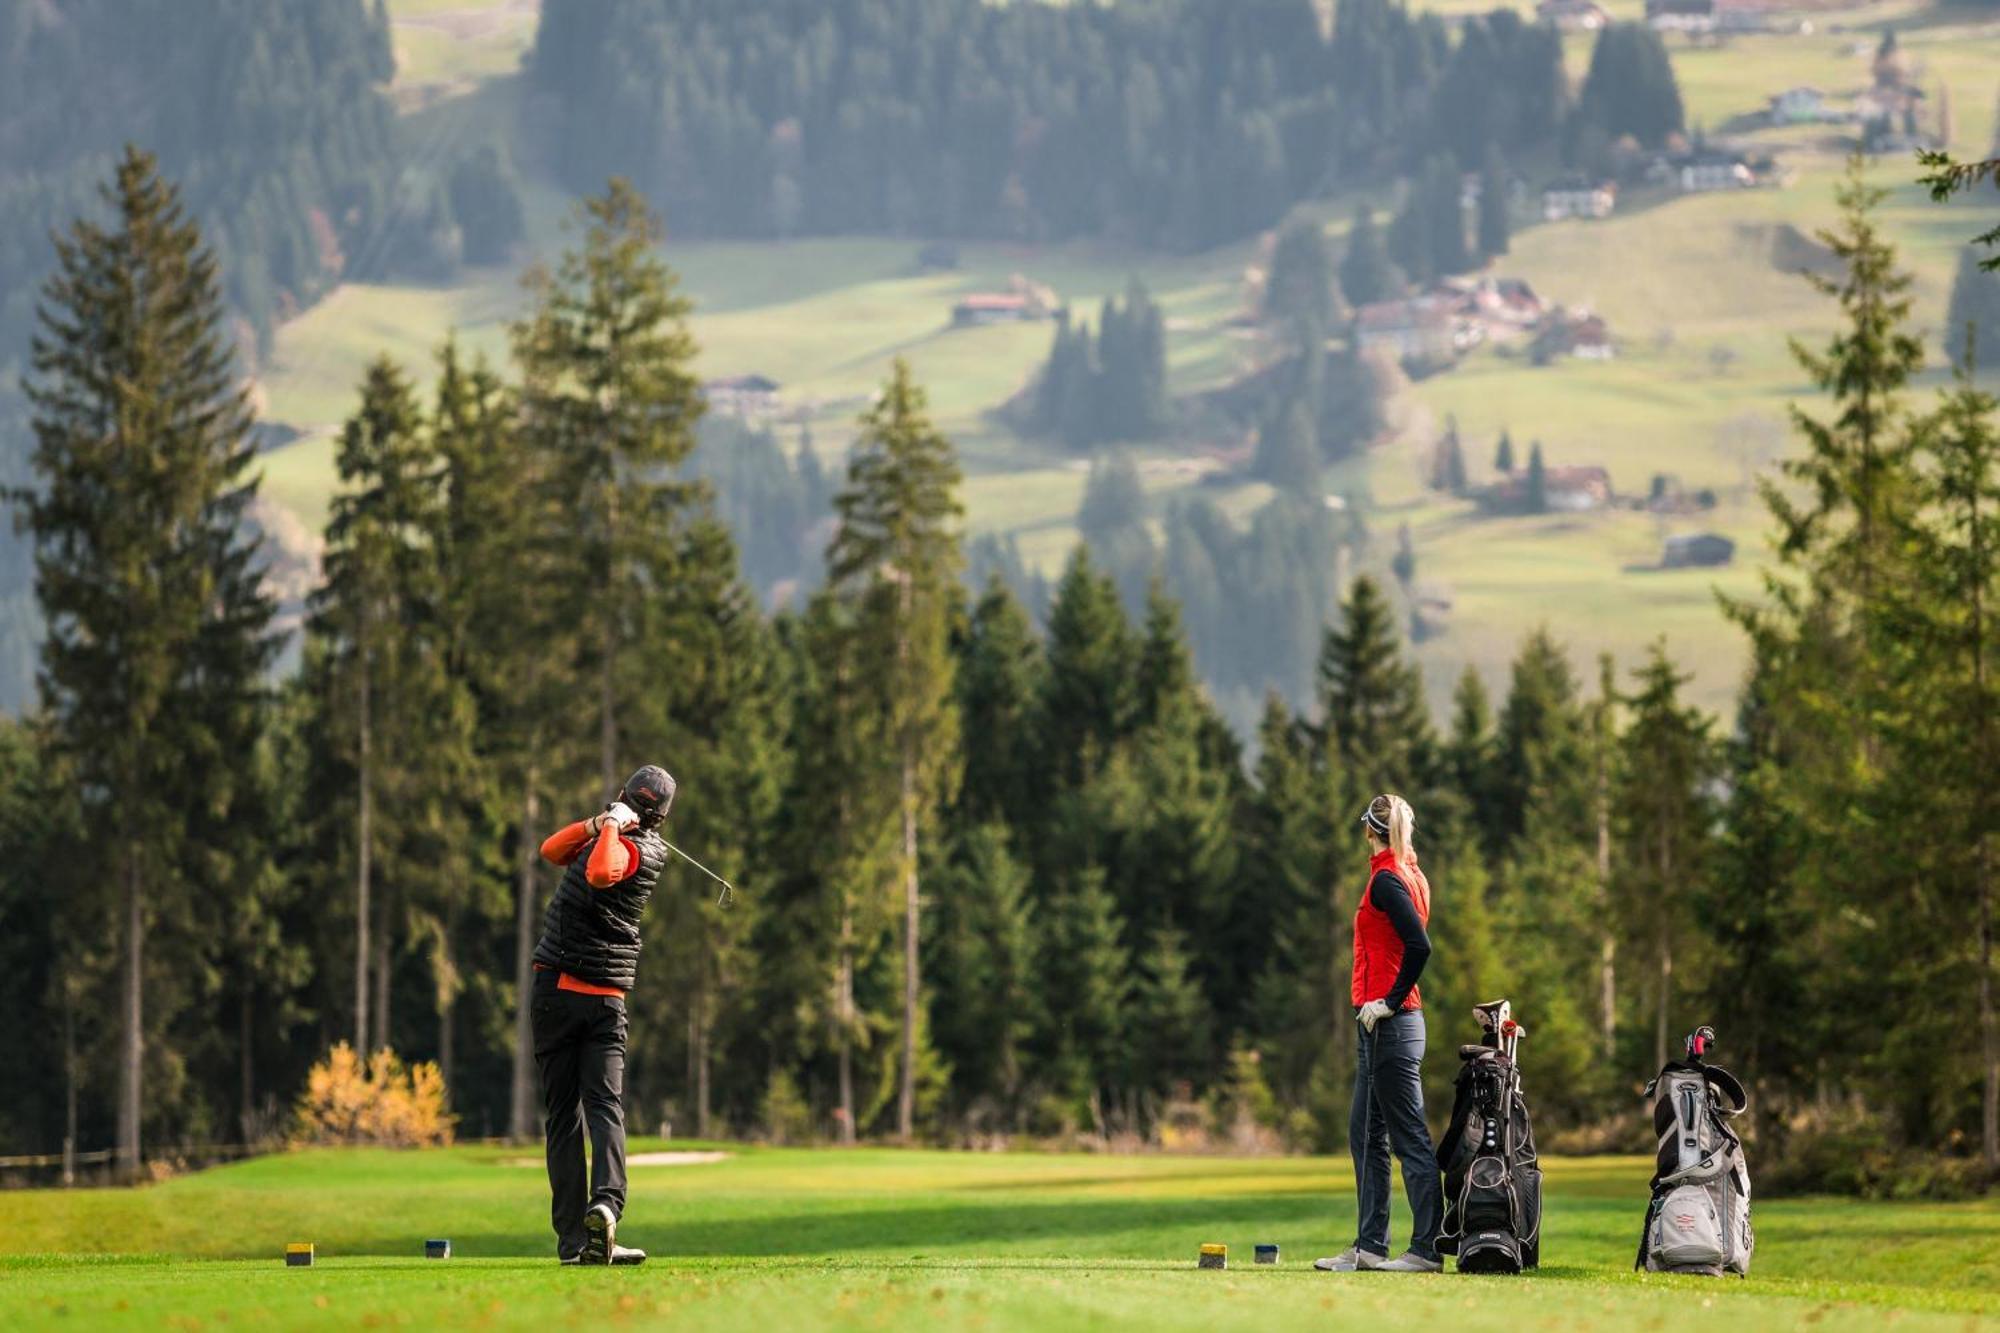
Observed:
{"x":612,"y":857}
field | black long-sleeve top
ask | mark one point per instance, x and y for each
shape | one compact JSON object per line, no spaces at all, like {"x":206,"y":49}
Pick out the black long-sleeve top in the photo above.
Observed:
{"x":1391,"y":897}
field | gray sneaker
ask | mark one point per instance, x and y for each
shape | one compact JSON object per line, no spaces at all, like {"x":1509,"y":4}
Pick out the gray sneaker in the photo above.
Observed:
{"x":1353,"y":1259}
{"x":1412,"y":1262}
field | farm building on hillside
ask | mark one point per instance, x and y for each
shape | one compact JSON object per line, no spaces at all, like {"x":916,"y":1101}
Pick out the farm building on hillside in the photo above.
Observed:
{"x":1576,"y":333}
{"x":1572,"y":15}
{"x":1579,"y":197}
{"x":1693,"y":549}
{"x":750,"y":397}
{"x":1487,"y":304}
{"x":1709,"y":16}
{"x":1566,"y":490}
{"x":1681,"y":15}
{"x":1422,"y":328}
{"x":1707,"y":168}
{"x":1022,"y":301}
{"x":1798,"y":106}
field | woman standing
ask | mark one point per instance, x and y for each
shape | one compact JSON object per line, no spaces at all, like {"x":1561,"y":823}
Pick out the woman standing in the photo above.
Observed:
{"x":1391,"y":946}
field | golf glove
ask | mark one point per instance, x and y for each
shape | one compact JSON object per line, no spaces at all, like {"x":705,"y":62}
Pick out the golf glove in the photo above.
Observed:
{"x":1372,"y":1013}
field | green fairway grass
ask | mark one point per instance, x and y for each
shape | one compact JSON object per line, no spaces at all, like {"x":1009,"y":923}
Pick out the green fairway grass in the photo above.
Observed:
{"x":802,"y":1239}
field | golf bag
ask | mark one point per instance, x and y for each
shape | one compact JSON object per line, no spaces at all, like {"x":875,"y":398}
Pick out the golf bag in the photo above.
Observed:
{"x":1699,"y":1217}
{"x":1492,"y":1181}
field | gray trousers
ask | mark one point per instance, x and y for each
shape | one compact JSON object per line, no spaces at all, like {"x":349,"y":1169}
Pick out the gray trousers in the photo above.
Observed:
{"x":1389,"y":1113}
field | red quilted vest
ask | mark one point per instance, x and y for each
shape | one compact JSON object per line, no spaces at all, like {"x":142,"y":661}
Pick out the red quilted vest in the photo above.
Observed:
{"x":1378,"y":949}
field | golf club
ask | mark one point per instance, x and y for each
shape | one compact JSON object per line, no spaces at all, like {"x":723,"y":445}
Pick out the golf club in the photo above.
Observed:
{"x":722,"y":900}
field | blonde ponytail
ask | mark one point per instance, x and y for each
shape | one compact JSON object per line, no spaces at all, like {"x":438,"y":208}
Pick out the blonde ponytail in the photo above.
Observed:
{"x":1390,"y":818}
{"x":1402,"y":830}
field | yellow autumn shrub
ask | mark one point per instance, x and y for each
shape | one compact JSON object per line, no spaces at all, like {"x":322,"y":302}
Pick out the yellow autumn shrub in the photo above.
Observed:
{"x":382,"y":1102}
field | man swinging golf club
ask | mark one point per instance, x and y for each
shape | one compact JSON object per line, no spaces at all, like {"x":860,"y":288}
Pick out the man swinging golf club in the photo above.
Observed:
{"x":585,"y":962}
{"x":1391,"y":946}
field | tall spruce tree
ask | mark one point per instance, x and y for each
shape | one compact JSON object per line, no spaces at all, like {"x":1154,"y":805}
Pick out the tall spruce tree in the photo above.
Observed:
{"x":1000,"y":674}
{"x":1944,"y":727}
{"x":1837,"y":514}
{"x":1664,"y":816}
{"x":1090,"y":698}
{"x":896,"y":558}
{"x":1367,"y":274}
{"x":505,"y":590}
{"x":1374,"y":717}
{"x":158,"y":629}
{"x":1495,"y":225}
{"x":1300,"y":285}
{"x":608,"y":391}
{"x":390,"y":706}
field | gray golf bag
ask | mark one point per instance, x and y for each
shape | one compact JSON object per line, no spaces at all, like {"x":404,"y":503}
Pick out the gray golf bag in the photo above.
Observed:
{"x":1492,"y":1178}
{"x":1699,"y":1217}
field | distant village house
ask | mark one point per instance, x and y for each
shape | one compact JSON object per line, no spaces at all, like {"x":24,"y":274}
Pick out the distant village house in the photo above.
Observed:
{"x":1706,"y":169}
{"x":1572,"y":15}
{"x":1578,"y":197}
{"x":1713,"y":16}
{"x":1565,"y":490}
{"x":1022,"y":301}
{"x":1693,"y":549}
{"x":751,"y":397}
{"x":1798,"y":106}
{"x":1422,"y":329}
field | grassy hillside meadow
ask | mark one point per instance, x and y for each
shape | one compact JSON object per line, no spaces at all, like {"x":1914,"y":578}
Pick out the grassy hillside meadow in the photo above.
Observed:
{"x":1700,"y":293}
{"x":870,"y":1239}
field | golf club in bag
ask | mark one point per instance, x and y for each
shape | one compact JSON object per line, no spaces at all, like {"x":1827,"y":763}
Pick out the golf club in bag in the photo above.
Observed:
{"x":1699,"y":1218}
{"x":1492,"y":1180}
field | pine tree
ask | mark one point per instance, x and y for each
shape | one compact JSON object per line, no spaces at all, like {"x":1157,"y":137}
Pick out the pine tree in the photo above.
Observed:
{"x":840,"y":839}
{"x":1471,"y":757}
{"x":1085,"y":979}
{"x":1000,"y":680}
{"x":1972,"y":320}
{"x":1112,"y":521}
{"x":1540,"y":739}
{"x":1495,"y":227}
{"x":1536,"y":493}
{"x":1854,"y":468}
{"x":1448,"y":461}
{"x":608,"y":392}
{"x":1503,"y":455}
{"x":1288,"y":454}
{"x":1301,"y":281}
{"x":1771,"y":988}
{"x":896,"y":558}
{"x":1663,"y":813}
{"x":400,"y":719}
{"x":1367,"y":275}
{"x":158,"y":627}
{"x":1372,"y":700}
{"x":1170,"y":1017}
{"x":987,"y":947}
{"x":1945,"y":725}
{"x":504,"y":596}
{"x":1090,"y":698}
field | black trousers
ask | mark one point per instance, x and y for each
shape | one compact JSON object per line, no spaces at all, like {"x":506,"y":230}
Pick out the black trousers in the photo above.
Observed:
{"x":580,"y":1054}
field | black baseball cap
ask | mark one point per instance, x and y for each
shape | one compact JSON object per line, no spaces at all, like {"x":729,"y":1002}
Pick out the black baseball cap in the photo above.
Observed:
{"x":650,"y":793}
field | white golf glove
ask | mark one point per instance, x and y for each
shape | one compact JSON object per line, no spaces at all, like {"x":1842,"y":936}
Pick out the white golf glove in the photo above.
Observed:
{"x":620,"y":815}
{"x":1372,"y":1013}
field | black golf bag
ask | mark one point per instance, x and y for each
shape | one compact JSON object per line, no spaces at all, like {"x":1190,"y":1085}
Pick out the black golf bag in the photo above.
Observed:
{"x":1699,"y":1217}
{"x":1492,"y":1181}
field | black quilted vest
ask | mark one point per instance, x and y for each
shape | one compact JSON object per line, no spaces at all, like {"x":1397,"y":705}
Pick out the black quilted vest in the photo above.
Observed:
{"x":593,"y":934}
